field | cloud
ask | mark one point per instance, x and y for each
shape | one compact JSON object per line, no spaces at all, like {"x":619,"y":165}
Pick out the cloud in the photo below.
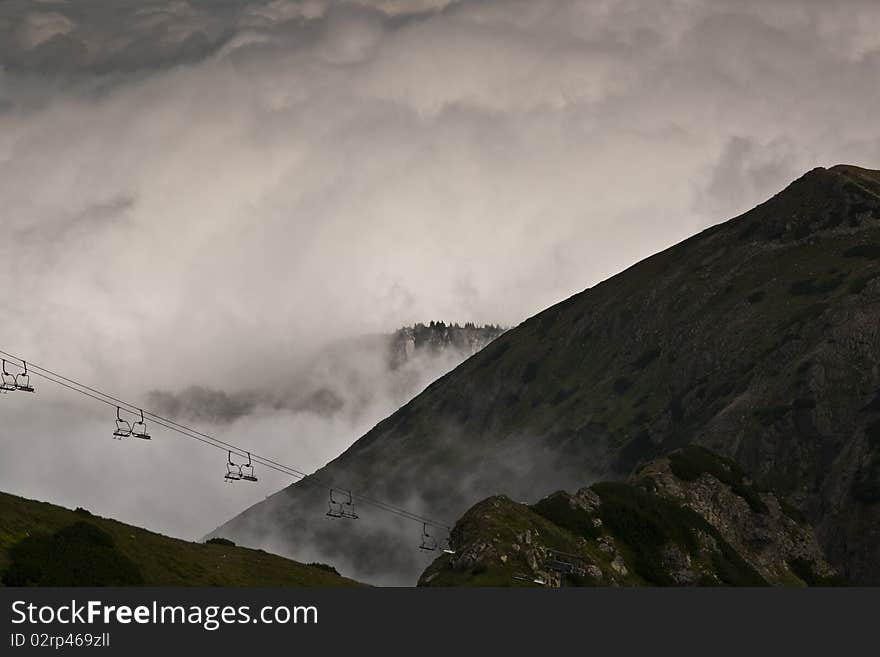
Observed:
{"x":197,"y":193}
{"x":39,"y":27}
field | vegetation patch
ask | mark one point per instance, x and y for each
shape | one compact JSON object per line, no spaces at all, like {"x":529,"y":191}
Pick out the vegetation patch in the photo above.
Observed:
{"x":771,"y":415}
{"x":811,"y":312}
{"x":219,"y":540}
{"x":324,"y":566}
{"x":530,"y":372}
{"x":493,"y":353}
{"x":557,"y":509}
{"x":646,"y":522}
{"x":792,"y":511}
{"x":621,"y":385}
{"x":872,"y":433}
{"x":866,"y":487}
{"x":868,"y":251}
{"x":44,"y":543}
{"x":561,"y":396}
{"x":812,"y":286}
{"x":691,"y":462}
{"x":732,"y":569}
{"x":804,"y":569}
{"x":756,"y":297}
{"x":78,"y":555}
{"x":646,"y":358}
{"x":858,"y":285}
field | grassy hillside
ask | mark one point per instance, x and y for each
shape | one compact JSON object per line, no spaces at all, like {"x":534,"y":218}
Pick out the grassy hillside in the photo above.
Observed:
{"x":758,"y":338}
{"x":75,"y":547}
{"x":693,"y":519}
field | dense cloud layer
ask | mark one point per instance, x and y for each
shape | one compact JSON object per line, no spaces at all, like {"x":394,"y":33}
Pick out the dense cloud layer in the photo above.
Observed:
{"x":192,"y":191}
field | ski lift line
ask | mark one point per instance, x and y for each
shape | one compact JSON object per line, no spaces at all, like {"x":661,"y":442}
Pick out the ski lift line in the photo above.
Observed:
{"x":104,"y":401}
{"x":278,"y":467}
{"x":207,"y":439}
{"x":131,"y":408}
{"x":161,"y":424}
{"x":219,"y":444}
{"x":267,"y":462}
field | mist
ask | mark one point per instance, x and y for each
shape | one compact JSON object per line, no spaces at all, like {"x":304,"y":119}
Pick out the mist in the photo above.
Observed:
{"x":210,"y":194}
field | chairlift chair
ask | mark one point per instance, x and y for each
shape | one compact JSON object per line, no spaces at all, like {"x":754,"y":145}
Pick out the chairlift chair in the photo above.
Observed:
{"x":429,"y":543}
{"x":334,"y":508}
{"x":233,"y":470}
{"x":447,"y":546}
{"x":341,"y":508}
{"x":348,"y":508}
{"x":7,"y":383}
{"x":139,"y":428}
{"x":123,"y":428}
{"x":247,"y":470}
{"x":23,"y":380}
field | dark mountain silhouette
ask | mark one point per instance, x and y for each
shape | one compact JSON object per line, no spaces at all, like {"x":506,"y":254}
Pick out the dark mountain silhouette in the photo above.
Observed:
{"x":758,"y":338}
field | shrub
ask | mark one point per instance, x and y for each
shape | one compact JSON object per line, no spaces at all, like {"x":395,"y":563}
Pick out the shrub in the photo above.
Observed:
{"x":771,"y":415}
{"x":80,"y":554}
{"x":804,"y":569}
{"x":646,"y":522}
{"x":732,"y":569}
{"x":557,"y":509}
{"x":812,"y":286}
{"x":756,"y":297}
{"x":646,"y":358}
{"x":324,"y":566}
{"x":866,"y":489}
{"x":561,"y":396}
{"x":621,"y":385}
{"x":858,"y":285}
{"x":872,"y":433}
{"x":792,"y":512}
{"x":869,"y":251}
{"x":219,"y":540}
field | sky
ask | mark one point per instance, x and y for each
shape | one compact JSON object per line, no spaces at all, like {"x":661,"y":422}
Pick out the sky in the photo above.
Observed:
{"x":209,"y":193}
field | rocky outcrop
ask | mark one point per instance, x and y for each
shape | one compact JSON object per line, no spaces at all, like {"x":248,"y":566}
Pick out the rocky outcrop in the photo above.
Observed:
{"x":687,"y":520}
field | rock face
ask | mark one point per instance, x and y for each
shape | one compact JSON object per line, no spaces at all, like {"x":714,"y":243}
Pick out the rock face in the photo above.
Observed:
{"x":686,"y":520}
{"x":437,"y":337}
{"x":758,"y":338}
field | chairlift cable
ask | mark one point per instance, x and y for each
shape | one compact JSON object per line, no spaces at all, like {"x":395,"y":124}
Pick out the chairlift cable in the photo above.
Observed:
{"x":272,"y":465}
{"x":211,"y":441}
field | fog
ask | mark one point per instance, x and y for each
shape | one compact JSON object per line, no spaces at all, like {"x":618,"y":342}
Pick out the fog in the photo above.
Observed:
{"x":210,"y":193}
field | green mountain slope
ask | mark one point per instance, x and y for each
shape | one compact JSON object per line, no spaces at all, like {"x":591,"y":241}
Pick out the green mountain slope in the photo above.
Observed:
{"x":758,"y":338}
{"x":44,"y":544}
{"x":692,"y":519}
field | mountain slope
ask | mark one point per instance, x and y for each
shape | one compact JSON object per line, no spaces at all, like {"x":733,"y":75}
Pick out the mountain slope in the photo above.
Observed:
{"x":45,"y":544}
{"x":689,"y":519}
{"x":758,"y":338}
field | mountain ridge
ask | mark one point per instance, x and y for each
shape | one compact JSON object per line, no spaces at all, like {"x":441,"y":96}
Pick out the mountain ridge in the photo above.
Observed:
{"x":687,"y":519}
{"x":42,"y":544}
{"x":756,"y":337}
